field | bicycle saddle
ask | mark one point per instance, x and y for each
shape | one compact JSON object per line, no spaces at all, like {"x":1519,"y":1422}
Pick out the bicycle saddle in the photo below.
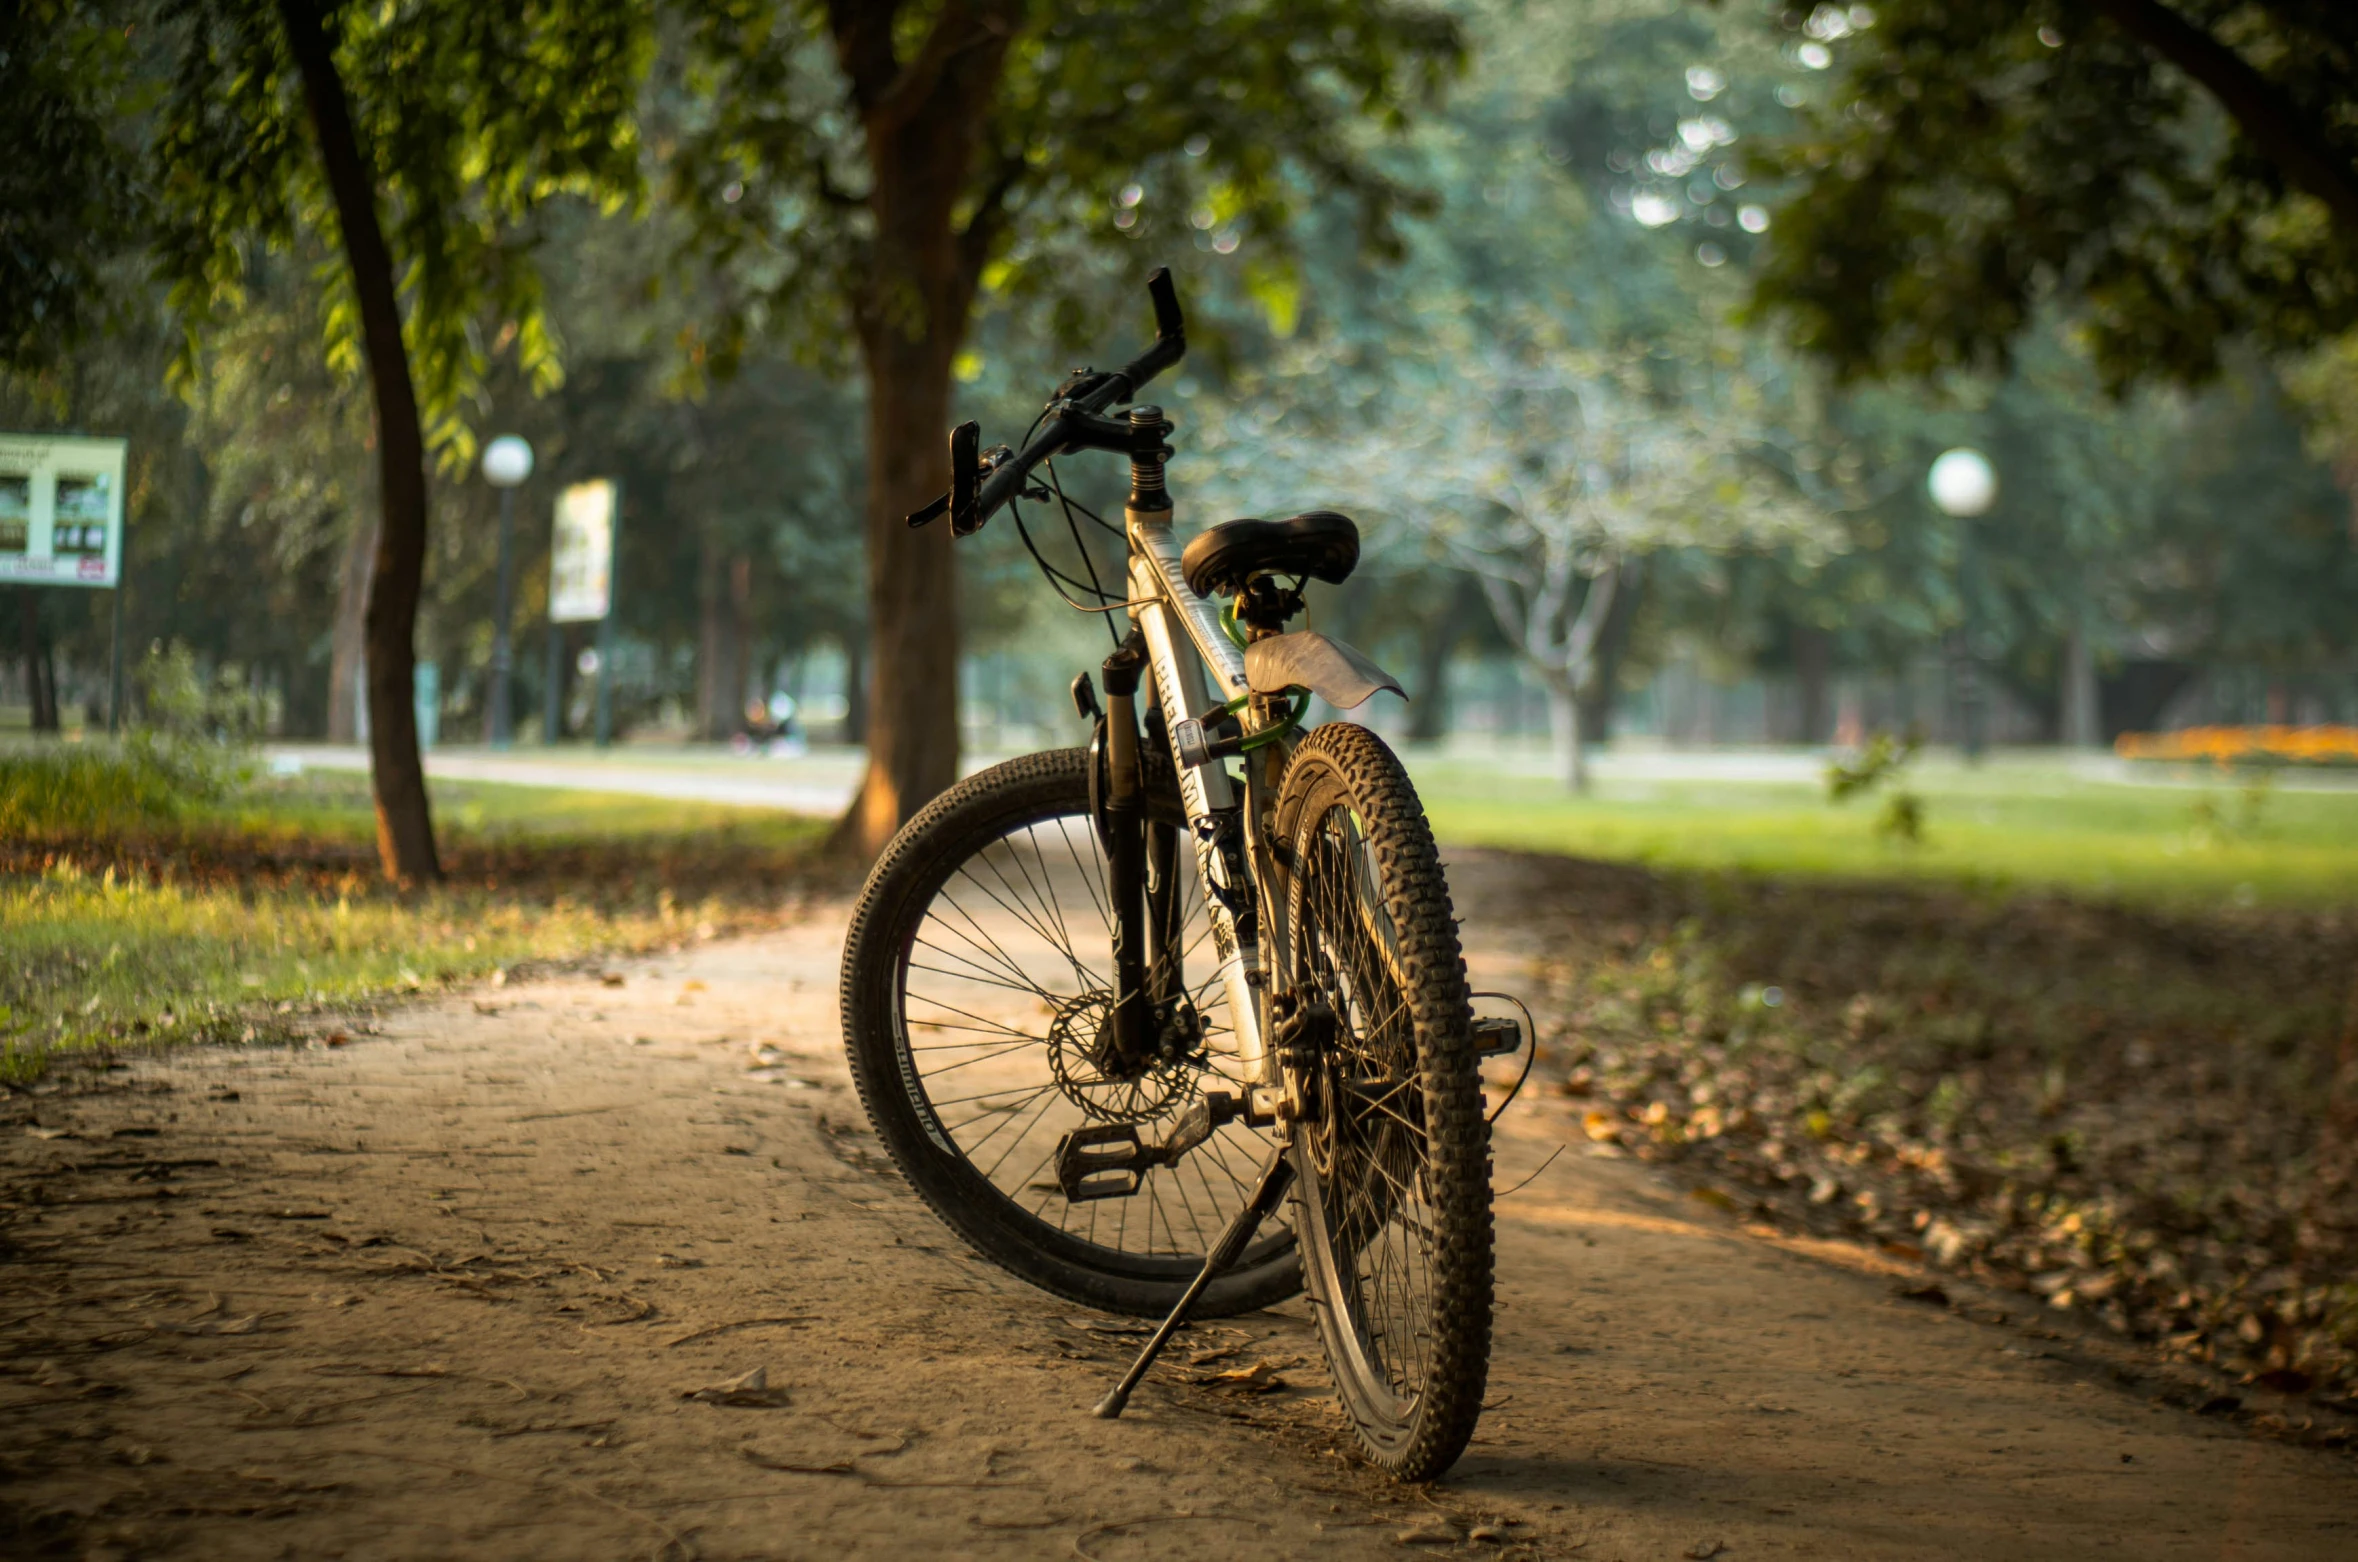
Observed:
{"x":1319,"y":543}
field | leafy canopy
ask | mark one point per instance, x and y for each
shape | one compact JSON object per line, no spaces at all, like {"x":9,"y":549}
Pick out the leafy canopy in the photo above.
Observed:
{"x":472,"y":116}
{"x":2187,"y":174}
{"x":70,"y":196}
{"x":1207,"y":120}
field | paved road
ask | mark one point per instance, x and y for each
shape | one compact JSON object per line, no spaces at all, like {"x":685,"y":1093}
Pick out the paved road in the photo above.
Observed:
{"x":820,"y":784}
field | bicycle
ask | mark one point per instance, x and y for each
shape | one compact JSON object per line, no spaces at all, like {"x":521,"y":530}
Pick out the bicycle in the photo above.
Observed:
{"x":1095,"y":1099}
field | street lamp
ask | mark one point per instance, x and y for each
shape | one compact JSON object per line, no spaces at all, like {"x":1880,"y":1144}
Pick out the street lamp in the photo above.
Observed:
{"x":1965,"y":485}
{"x":507,"y":461}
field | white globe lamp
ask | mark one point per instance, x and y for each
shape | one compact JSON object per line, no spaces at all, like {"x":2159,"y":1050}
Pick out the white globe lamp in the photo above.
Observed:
{"x":1963,"y":483}
{"x":507,"y":461}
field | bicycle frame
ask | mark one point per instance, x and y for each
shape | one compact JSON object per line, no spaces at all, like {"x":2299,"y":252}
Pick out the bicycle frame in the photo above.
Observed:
{"x":1185,"y":641}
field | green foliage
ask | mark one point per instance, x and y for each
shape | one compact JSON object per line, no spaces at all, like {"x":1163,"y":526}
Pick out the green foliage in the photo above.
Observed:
{"x":70,"y":197}
{"x":1881,"y":760}
{"x":1227,"y":119}
{"x":199,"y":732}
{"x":194,"y":747}
{"x":1967,"y":159}
{"x":1882,"y":764}
{"x":47,"y":793}
{"x":473,"y":116}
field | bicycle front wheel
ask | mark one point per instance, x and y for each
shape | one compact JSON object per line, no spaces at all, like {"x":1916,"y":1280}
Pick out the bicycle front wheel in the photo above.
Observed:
{"x":1392,"y":1156}
{"x":977,"y":990}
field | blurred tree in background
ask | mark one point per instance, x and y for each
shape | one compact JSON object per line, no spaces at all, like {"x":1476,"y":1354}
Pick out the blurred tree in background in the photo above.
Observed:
{"x":2181,"y":176}
{"x":873,"y":166}
{"x":1467,"y":319}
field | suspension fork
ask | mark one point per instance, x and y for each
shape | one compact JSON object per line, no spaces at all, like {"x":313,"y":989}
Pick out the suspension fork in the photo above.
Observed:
{"x":1124,"y":826}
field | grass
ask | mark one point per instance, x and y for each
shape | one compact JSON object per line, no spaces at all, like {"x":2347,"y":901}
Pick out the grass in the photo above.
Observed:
{"x":163,"y":918}
{"x":2012,"y":824}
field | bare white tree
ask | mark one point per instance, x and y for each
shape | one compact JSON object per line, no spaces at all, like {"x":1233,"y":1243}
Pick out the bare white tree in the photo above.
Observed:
{"x":1547,"y":476}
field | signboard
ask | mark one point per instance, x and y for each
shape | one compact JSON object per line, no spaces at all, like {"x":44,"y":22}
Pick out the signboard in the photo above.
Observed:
{"x":61,"y":510}
{"x":581,"y":555}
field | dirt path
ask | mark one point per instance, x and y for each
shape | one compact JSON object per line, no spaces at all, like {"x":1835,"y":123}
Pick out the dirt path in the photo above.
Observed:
{"x":439,"y":1290}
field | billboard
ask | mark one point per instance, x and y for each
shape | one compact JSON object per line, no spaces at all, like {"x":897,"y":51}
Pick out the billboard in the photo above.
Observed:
{"x":61,"y":510}
{"x":581,"y":554}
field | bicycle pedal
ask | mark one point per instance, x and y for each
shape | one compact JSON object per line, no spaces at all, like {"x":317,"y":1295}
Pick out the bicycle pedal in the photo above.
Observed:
{"x":1108,"y":1161}
{"x":1497,"y":1036}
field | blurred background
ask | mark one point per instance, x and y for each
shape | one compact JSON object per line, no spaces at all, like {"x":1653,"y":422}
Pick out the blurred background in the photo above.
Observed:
{"x":1554,"y":351}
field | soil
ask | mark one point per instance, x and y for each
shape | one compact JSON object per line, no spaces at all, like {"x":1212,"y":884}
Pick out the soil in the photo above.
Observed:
{"x":489,"y":1277}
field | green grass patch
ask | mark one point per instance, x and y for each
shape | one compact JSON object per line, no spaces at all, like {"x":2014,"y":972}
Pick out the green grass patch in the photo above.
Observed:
{"x":2007,"y":825}
{"x":85,"y":790}
{"x":176,"y":919}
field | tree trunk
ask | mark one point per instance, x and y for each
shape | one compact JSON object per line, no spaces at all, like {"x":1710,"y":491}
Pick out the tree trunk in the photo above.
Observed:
{"x":405,"y":825}
{"x":912,"y":726}
{"x":1428,"y":713}
{"x":925,"y":118}
{"x":346,"y":654}
{"x":855,"y":688}
{"x":2083,"y":720}
{"x":28,"y":621}
{"x":720,"y":695}
{"x":1812,"y":656}
{"x":1563,"y":722}
{"x":28,"y":651}
{"x":1602,"y":681}
{"x":52,"y":718}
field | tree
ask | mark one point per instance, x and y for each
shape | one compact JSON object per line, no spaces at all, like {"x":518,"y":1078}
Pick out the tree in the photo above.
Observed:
{"x":888,"y":166}
{"x":2185,"y":173}
{"x":454,"y":120}
{"x":70,"y":196}
{"x":1551,"y":477}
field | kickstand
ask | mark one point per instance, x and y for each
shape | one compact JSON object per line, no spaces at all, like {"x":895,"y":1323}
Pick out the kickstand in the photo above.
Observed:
{"x":1276,"y":1177}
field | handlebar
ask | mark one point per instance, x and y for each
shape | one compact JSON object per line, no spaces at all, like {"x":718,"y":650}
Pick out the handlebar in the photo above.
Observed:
{"x":1075,"y":421}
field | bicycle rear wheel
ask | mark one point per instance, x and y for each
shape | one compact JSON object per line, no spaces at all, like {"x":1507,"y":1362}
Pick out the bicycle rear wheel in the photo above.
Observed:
{"x":977,"y":983}
{"x":1392,"y":1156}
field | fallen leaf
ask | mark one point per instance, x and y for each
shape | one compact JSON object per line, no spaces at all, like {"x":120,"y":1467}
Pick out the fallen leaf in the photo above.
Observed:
{"x":1427,"y":1535}
{"x":746,"y":1391}
{"x":611,"y":978}
{"x":2283,"y":1380}
{"x":1259,"y":1378}
{"x":1600,"y":1127}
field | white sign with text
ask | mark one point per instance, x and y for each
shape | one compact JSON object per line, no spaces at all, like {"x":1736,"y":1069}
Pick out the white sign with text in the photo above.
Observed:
{"x":581,"y":556}
{"x":61,"y":510}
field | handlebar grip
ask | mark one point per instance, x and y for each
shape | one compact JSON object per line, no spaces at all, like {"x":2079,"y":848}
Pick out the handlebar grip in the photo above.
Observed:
{"x":1167,"y":321}
{"x":965,"y":476}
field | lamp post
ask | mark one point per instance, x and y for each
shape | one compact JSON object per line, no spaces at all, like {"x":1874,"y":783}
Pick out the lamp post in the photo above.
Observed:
{"x":1965,"y":485}
{"x":507,"y":461}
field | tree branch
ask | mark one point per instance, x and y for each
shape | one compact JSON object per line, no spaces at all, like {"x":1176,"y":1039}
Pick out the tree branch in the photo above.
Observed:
{"x":2276,"y":126}
{"x":863,"y":44}
{"x":990,"y":212}
{"x":957,"y":31}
